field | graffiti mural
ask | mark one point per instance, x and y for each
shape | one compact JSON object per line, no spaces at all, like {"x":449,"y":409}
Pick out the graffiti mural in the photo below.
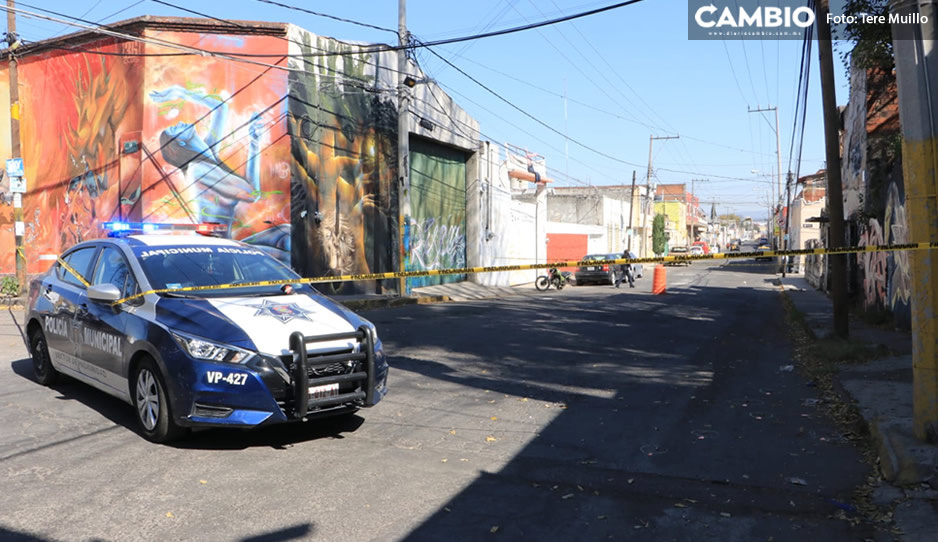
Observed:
{"x":215,"y":145}
{"x":74,"y":106}
{"x":109,"y":136}
{"x":437,"y":232}
{"x":873,"y":265}
{"x":344,"y":163}
{"x":899,"y":277}
{"x":887,"y":282}
{"x":874,"y":197}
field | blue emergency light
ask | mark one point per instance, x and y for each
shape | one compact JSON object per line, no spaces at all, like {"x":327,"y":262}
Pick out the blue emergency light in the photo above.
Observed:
{"x":119,"y":229}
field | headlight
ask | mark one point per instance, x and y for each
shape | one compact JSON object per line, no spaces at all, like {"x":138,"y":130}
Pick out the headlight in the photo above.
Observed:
{"x":202,"y":349}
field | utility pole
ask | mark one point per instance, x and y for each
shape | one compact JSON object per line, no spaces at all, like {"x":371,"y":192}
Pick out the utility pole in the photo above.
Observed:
{"x":631,"y":208}
{"x":403,"y":142}
{"x":835,"y":199}
{"x":778,"y":188}
{"x":18,"y":227}
{"x":918,"y":112}
{"x":649,"y":186}
{"x":787,"y":222}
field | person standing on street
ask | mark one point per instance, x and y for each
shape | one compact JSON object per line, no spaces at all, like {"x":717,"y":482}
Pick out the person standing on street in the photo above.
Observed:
{"x":625,"y":272}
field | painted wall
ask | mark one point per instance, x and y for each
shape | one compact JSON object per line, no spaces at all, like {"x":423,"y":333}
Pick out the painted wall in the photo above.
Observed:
{"x":508,"y":229}
{"x":343,"y":114}
{"x":214,"y":142}
{"x":803,"y":232}
{"x":149,"y":138}
{"x":437,"y":225}
{"x":343,"y":163}
{"x":676,"y":212}
{"x":874,"y":195}
{"x":7,"y":240}
{"x":74,"y":110}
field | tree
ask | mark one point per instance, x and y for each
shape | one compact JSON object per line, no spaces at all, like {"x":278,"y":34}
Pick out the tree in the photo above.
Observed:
{"x":659,"y":238}
{"x":872,"y":42}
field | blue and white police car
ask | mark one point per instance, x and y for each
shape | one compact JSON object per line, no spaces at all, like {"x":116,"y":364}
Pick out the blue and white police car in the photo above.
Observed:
{"x":178,"y":326}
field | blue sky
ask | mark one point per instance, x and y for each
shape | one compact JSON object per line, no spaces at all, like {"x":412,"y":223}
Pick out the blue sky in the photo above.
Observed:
{"x":628,"y":74}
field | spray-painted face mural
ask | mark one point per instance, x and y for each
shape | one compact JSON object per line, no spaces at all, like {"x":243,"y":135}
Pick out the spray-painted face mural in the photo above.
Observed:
{"x":343,"y":124}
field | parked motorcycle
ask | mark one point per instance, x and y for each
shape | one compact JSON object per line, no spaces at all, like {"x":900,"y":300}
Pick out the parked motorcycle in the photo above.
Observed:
{"x":553,"y":278}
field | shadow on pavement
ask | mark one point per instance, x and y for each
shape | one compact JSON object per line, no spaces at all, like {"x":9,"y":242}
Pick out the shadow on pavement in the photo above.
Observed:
{"x":122,"y":414}
{"x":602,"y":468}
{"x":303,"y":530}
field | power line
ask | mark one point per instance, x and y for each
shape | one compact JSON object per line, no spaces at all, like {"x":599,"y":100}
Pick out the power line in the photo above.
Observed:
{"x":326,"y":15}
{"x":529,"y":115}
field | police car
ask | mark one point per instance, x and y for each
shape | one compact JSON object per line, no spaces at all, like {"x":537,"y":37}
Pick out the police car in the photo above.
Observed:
{"x":199,"y":331}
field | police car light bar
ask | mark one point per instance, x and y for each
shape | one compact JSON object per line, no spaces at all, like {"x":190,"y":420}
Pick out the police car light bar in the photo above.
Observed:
{"x":116,"y":229}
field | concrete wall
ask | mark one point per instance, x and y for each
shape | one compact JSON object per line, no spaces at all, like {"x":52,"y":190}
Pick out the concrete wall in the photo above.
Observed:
{"x":508,"y":229}
{"x":803,"y":232}
{"x":676,"y":211}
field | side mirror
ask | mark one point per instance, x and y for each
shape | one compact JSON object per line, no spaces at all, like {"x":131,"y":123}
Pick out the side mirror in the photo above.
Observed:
{"x":104,"y":293}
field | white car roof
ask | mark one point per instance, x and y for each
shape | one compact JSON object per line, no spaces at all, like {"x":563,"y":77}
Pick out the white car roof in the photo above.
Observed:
{"x":154,"y":240}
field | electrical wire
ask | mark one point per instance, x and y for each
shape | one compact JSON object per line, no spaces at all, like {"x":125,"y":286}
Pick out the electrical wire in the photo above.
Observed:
{"x":325,"y":15}
{"x":529,"y":115}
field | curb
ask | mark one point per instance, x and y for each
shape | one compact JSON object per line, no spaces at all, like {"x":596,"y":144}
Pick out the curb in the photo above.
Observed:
{"x":903,"y":459}
{"x":390,"y":302}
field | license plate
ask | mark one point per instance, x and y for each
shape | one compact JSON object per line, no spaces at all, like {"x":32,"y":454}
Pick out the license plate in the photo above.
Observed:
{"x":592,"y":269}
{"x":322,"y":392}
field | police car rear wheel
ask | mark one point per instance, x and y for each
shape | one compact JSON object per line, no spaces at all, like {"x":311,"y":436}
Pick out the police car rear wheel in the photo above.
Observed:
{"x":152,"y":407}
{"x":42,"y":364}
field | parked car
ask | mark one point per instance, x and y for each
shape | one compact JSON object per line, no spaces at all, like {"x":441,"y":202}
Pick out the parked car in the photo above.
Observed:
{"x":598,"y":273}
{"x":703,"y":246}
{"x":697,"y":250}
{"x":604,"y":273}
{"x":678,"y":251}
{"x":190,"y":331}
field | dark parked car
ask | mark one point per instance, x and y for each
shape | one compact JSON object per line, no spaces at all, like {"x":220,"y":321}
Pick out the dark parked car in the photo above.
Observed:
{"x":599,"y":273}
{"x":605,"y":273}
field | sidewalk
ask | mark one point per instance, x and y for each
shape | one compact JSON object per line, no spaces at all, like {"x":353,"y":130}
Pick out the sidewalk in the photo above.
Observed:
{"x":441,"y":293}
{"x":882,"y":390}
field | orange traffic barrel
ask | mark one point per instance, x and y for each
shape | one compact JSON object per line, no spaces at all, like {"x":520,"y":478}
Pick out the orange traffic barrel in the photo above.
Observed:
{"x":660,"y":282}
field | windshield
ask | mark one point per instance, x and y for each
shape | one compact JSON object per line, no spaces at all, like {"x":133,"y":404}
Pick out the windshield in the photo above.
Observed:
{"x":600,"y":257}
{"x":184,"y":266}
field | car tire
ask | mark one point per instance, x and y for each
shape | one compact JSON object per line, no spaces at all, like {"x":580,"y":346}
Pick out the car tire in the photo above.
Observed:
{"x":43,"y":370}
{"x":151,"y":404}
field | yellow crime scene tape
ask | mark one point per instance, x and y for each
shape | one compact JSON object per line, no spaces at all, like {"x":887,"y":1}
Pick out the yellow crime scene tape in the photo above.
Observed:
{"x":69,"y":268}
{"x":523,"y":267}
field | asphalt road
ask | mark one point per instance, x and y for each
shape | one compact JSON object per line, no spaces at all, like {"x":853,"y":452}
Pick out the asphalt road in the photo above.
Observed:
{"x":586,"y":414}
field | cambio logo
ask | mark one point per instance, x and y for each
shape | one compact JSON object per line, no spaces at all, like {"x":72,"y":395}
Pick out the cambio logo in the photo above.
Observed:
{"x":756,"y":17}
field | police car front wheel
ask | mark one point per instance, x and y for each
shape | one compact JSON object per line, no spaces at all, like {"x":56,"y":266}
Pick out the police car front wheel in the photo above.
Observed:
{"x":152,"y":406}
{"x":42,"y":363}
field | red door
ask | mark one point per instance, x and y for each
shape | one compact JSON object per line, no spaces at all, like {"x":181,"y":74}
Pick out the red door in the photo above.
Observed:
{"x":566,"y":246}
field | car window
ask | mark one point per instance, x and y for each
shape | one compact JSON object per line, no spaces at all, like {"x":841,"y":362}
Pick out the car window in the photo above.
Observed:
{"x":112,"y":268}
{"x":80,"y":261}
{"x":183,"y":266}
